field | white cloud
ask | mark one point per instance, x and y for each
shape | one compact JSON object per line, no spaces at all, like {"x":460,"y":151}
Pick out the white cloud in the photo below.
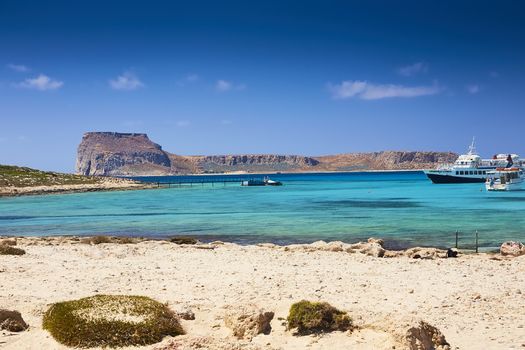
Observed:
{"x":368,"y":91}
{"x":18,"y":68}
{"x":413,"y":69}
{"x":224,"y":85}
{"x":42,"y":83}
{"x":473,"y":89}
{"x":126,"y":81}
{"x":188,"y":79}
{"x":191,"y":78}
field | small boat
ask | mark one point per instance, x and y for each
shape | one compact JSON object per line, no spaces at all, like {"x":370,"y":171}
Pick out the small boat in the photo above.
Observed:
{"x":266,"y":181}
{"x":253,"y":182}
{"x":270,"y":182}
{"x":504,"y":179}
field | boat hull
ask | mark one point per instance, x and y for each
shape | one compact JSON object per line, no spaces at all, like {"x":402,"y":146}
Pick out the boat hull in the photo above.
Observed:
{"x":452,"y":179}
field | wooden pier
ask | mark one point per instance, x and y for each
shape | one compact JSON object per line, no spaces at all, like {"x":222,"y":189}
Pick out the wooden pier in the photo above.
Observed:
{"x":212,"y":181}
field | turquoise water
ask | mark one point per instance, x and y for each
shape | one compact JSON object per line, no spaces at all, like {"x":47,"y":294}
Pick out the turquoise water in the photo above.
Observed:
{"x":403,"y":207}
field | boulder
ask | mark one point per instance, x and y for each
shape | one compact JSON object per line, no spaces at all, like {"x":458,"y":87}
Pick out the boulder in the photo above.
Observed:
{"x":413,"y":333}
{"x":12,"y":321}
{"x":247,"y":321}
{"x":209,"y":343}
{"x":452,"y":253}
{"x":373,"y":248}
{"x":425,"y":253}
{"x":511,"y":248}
{"x":379,"y":241}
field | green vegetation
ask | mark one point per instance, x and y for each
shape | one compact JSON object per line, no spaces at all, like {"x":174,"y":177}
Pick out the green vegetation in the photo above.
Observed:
{"x":317,"y":317}
{"x":13,"y":176}
{"x":183,"y":240}
{"x":111,"y":321}
{"x":10,"y":250}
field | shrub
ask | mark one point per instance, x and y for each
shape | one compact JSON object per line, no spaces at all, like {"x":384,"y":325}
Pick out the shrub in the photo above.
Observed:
{"x":111,"y":321}
{"x":9,"y":250}
{"x":317,"y":317}
{"x":183,"y":240}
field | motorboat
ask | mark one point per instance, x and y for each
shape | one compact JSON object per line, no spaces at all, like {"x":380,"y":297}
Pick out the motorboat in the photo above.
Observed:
{"x":505,"y":179}
{"x":266,"y":181}
{"x":270,"y":182}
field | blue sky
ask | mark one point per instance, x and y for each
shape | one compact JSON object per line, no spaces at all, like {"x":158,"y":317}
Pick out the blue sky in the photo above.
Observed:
{"x":305,"y":77}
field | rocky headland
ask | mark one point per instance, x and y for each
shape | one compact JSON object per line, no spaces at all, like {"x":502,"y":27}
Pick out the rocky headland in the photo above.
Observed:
{"x":112,"y":153}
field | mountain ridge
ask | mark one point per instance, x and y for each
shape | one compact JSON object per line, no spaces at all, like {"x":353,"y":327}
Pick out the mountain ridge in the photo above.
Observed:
{"x":134,"y":154}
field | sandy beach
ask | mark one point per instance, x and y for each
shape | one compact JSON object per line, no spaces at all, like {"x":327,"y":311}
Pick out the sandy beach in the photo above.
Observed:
{"x":476,"y":301}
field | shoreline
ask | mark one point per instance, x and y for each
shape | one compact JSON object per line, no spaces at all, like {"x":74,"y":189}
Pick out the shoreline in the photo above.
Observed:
{"x":277,"y":173}
{"x":129,"y":182}
{"x":388,"y":244}
{"x":474,"y":299}
{"x":107,"y":185}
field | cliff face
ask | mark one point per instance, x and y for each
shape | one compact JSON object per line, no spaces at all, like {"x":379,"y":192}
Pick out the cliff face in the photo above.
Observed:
{"x":255,"y":162}
{"x":110,"y":153}
{"x":387,"y":160}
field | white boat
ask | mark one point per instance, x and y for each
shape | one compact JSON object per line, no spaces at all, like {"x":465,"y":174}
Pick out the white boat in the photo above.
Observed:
{"x":505,"y":179}
{"x":470,"y":168}
{"x":270,"y":182}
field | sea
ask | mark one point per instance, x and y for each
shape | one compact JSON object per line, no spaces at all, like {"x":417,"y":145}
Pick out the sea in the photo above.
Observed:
{"x":403,"y":208}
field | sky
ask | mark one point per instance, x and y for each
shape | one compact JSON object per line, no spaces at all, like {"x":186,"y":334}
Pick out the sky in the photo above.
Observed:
{"x":288,"y":77}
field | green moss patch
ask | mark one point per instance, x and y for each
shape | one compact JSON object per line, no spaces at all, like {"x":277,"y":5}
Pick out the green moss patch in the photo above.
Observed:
{"x":10,"y":250}
{"x":317,"y":317}
{"x":111,"y":320}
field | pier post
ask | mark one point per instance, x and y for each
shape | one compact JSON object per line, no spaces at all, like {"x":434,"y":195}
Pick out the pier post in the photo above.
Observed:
{"x":457,"y":234}
{"x":476,"y":241}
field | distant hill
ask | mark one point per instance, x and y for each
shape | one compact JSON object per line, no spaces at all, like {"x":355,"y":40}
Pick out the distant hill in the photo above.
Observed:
{"x":112,"y":153}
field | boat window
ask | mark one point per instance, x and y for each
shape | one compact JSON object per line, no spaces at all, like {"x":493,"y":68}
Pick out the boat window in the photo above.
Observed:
{"x":461,"y":173}
{"x":457,"y":172}
{"x":471,"y":172}
{"x":475,"y":172}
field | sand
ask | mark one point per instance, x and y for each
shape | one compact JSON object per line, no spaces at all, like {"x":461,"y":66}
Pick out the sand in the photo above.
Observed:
{"x":477,"y":301}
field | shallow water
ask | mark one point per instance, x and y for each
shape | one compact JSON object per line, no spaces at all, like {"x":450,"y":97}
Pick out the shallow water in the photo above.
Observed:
{"x":403,"y":207}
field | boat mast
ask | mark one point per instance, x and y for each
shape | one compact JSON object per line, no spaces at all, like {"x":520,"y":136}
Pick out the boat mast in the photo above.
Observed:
{"x":472,"y":147}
